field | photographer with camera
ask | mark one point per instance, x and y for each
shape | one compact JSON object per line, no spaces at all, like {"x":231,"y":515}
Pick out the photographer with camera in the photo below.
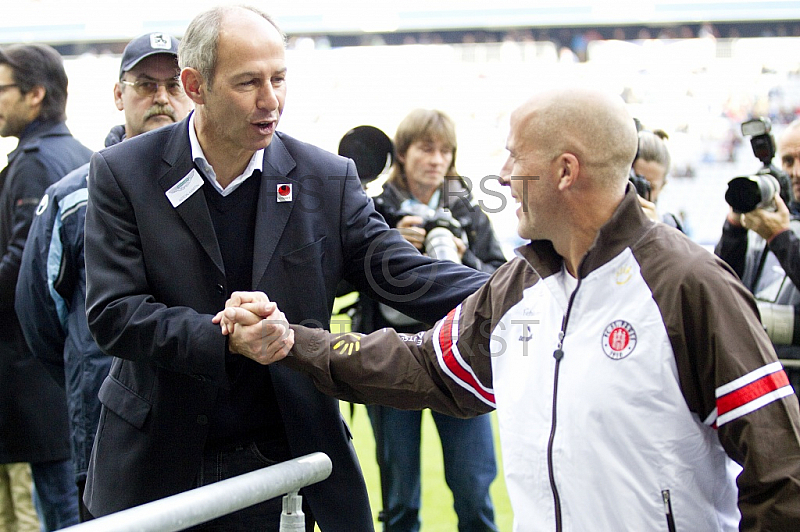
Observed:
{"x":649,"y":174}
{"x":760,"y":236}
{"x":432,"y":209}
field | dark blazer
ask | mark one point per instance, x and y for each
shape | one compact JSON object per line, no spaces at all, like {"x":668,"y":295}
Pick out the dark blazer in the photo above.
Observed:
{"x":33,"y":408}
{"x":155,"y":278}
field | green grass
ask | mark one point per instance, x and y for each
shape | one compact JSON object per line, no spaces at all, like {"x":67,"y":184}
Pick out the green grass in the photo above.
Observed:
{"x":437,"y":502}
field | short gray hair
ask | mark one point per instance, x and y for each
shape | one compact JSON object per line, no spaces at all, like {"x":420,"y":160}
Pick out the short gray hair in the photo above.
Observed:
{"x":198,"y":48}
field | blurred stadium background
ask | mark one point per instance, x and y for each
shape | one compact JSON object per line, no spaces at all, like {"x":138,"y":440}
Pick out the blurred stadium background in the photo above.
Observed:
{"x":695,"y":70}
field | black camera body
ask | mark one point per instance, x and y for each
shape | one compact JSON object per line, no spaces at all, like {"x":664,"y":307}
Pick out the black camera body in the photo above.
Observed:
{"x":443,"y":218}
{"x":746,"y":193}
{"x":440,"y":227}
{"x":431,"y":218}
{"x":641,"y":184}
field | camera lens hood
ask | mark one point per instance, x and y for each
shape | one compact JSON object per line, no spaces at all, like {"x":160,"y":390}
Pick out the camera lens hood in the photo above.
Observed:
{"x":746,"y":193}
{"x":370,"y":149}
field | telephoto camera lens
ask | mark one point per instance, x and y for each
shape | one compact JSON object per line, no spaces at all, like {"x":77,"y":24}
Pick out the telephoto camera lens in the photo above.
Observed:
{"x":439,"y":244}
{"x":751,"y":192}
{"x":780,"y":322}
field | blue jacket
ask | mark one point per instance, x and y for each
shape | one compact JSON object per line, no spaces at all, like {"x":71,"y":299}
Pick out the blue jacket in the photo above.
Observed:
{"x":33,"y":411}
{"x":51,"y":305}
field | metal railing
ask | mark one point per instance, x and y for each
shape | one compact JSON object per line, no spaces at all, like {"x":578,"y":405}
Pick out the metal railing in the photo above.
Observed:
{"x":199,"y":505}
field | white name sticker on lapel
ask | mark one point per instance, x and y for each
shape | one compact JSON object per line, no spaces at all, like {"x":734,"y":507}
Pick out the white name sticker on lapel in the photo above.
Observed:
{"x":185,"y":188}
{"x":284,"y":192}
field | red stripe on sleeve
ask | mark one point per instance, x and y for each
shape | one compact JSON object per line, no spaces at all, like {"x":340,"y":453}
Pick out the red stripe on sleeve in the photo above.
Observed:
{"x":446,"y":336}
{"x":754,"y":390}
{"x":446,"y":345}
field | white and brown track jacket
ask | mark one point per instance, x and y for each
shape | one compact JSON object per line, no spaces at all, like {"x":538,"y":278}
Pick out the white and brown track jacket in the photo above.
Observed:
{"x":629,"y":399}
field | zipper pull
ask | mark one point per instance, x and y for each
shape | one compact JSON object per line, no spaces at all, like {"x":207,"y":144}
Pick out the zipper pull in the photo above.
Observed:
{"x":558,"y":354}
{"x":668,"y":510}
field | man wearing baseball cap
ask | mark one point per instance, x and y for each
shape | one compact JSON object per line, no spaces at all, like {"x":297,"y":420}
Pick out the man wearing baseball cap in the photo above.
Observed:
{"x":149,"y":63}
{"x":51,"y":304}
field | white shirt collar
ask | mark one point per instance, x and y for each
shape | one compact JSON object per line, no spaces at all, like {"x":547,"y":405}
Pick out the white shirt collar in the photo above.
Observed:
{"x":256,"y":163}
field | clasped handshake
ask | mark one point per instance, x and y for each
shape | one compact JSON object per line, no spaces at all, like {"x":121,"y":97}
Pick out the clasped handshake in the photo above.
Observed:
{"x":255,"y":327}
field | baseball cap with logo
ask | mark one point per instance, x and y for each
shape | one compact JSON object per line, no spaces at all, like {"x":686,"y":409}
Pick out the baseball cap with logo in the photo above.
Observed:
{"x":145,"y":46}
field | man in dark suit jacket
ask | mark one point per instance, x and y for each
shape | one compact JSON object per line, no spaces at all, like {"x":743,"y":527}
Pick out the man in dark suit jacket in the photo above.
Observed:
{"x":180,"y":218}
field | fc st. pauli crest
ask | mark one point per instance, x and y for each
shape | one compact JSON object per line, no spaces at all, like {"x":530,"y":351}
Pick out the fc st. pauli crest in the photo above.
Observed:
{"x":619,"y":339}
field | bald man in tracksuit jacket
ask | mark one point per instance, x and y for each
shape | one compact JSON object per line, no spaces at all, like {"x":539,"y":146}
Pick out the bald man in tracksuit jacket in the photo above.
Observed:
{"x":635,"y":387}
{"x":657,"y":396}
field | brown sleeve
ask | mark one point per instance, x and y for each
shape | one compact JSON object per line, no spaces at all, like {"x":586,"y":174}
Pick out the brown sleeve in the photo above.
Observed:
{"x":757,"y":415}
{"x":447,"y":368}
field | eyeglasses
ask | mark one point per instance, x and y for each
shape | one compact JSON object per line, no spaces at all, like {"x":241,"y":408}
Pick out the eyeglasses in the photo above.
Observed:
{"x":148,"y":87}
{"x":4,"y":88}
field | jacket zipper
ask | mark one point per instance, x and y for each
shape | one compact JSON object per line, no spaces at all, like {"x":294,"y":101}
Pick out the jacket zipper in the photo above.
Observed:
{"x":558,"y":354}
{"x":668,"y":510}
